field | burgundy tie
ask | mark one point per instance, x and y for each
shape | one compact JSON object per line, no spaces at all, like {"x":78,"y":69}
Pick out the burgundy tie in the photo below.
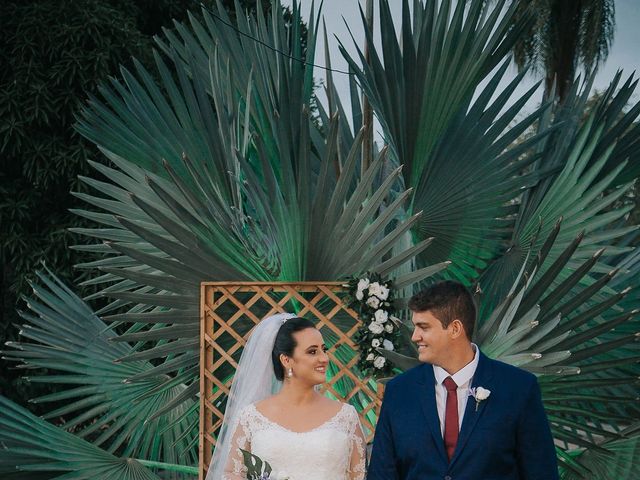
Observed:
{"x":451,"y":417}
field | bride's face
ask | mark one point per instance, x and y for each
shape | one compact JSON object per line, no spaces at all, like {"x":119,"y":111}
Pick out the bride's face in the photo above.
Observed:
{"x":309,"y":360}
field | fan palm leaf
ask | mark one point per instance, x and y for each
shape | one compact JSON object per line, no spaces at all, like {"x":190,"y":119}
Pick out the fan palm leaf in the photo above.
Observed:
{"x":582,"y":154}
{"x":607,"y":464}
{"x":450,"y":132}
{"x":117,"y":406}
{"x":33,"y":449}
{"x":618,"y":114}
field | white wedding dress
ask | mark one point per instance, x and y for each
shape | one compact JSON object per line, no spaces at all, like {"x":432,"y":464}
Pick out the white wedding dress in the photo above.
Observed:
{"x":334,"y":450}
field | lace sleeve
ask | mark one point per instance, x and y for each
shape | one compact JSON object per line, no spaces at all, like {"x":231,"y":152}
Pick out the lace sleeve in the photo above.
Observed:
{"x":357,"y":443}
{"x":234,"y":468}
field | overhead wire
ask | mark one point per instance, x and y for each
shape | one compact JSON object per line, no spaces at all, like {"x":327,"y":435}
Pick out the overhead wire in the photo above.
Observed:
{"x":264,"y":44}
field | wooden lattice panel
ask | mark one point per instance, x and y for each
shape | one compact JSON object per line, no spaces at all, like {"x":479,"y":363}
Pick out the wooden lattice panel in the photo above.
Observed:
{"x":228,"y":313}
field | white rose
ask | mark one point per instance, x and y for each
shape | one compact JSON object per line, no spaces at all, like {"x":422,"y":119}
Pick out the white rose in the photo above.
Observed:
{"x":388,"y":328}
{"x":362,"y":284}
{"x":375,"y":343}
{"x":373,"y":302}
{"x":374,"y":289}
{"x":376,"y":328}
{"x":370,"y":357}
{"x":482,"y":394}
{"x":381,"y":316}
{"x":383,"y":292}
{"x":379,"y":362}
{"x":359,"y":295}
{"x":387,"y":345}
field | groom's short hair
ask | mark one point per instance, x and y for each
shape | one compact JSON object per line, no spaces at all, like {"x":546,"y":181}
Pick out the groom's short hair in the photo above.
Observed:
{"x":447,"y":301}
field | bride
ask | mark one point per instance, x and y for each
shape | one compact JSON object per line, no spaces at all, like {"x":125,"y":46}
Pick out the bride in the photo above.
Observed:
{"x":275,"y":412}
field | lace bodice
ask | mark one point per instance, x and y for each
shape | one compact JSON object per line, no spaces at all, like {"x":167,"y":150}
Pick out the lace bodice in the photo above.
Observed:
{"x":333,"y":451}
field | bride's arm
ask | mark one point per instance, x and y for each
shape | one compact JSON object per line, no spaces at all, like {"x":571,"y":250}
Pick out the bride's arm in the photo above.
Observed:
{"x":358,"y":460}
{"x":234,"y":468}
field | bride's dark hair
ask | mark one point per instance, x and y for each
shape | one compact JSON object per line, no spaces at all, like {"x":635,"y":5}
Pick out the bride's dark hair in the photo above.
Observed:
{"x":285,"y":343}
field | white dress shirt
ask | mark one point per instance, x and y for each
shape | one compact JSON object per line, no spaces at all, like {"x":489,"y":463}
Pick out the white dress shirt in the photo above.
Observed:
{"x":463,"y":378}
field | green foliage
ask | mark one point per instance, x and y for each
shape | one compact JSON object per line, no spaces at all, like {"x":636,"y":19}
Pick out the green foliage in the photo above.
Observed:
{"x":257,"y":469}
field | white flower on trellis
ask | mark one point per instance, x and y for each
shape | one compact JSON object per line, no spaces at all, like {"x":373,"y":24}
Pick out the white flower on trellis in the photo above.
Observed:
{"x":373,"y":302}
{"x":388,"y":328}
{"x":376,"y":328}
{"x":370,"y":357}
{"x":374,"y":290}
{"x":387,"y":345}
{"x":379,"y":362}
{"x":375,"y":343}
{"x":383,"y":293}
{"x":381,"y":316}
{"x":363,"y":283}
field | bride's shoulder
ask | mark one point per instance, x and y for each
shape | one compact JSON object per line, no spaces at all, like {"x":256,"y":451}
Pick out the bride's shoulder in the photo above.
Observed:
{"x":330,"y":406}
{"x":341,"y":409}
{"x":349,"y":409}
{"x":347,"y":417}
{"x":247,"y":413}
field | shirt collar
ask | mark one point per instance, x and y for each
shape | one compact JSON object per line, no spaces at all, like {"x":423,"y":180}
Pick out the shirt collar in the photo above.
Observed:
{"x":462,"y":376}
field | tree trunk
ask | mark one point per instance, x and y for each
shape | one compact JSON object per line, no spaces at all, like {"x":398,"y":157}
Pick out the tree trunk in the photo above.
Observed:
{"x":563,"y":45}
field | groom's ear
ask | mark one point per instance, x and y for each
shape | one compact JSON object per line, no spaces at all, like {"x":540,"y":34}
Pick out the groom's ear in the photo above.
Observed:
{"x":456,"y":328}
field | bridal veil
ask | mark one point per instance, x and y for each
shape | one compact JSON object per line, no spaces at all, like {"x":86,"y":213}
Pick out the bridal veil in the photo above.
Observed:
{"x":254,"y":380}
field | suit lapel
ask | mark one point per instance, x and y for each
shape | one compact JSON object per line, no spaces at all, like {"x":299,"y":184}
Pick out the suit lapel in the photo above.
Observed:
{"x":430,"y":409}
{"x":481,"y":378}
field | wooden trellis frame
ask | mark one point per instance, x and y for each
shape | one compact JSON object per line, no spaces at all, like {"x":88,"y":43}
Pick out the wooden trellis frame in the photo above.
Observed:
{"x":228,"y":312}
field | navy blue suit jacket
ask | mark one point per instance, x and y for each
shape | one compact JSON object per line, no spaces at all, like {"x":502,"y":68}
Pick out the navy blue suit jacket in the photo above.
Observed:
{"x":506,"y":438}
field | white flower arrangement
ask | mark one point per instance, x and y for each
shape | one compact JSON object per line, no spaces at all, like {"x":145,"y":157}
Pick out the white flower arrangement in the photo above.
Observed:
{"x":372,"y":298}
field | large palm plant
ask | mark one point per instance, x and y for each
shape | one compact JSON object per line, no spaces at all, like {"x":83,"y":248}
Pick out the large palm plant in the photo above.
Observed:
{"x":565,"y":37}
{"x":223,"y":164}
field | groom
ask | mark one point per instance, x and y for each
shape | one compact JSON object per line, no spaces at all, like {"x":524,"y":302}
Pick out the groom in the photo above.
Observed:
{"x":432,"y":427}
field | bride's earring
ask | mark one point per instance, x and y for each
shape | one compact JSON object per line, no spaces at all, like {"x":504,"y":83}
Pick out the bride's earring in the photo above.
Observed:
{"x":290,"y":372}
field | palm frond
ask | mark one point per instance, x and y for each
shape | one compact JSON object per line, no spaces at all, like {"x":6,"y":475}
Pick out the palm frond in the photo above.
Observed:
{"x":33,"y":449}
{"x":617,"y":461}
{"x":450,"y":133}
{"x":583,"y":189}
{"x":116,"y":406}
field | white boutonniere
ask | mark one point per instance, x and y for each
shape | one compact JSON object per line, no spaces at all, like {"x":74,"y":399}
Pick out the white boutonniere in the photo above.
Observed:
{"x":479,"y":394}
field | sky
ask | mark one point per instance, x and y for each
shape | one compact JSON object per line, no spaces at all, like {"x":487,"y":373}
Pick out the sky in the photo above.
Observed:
{"x":337,"y":14}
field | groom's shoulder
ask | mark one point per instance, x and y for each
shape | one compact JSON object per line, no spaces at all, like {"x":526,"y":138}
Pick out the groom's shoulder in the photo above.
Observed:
{"x":409,"y":378}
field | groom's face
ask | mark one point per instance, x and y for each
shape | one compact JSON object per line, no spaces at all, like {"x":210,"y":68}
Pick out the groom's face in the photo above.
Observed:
{"x":431,"y":338}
